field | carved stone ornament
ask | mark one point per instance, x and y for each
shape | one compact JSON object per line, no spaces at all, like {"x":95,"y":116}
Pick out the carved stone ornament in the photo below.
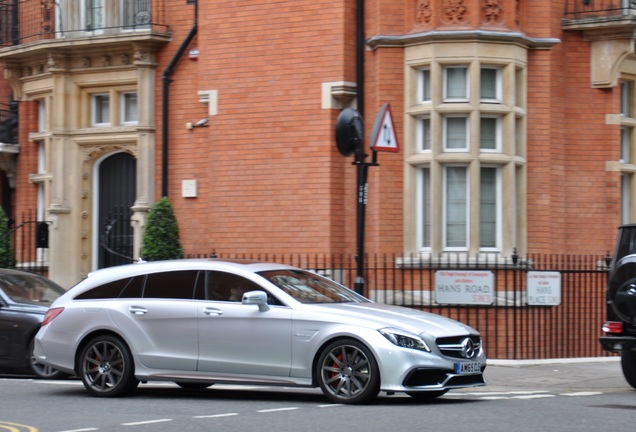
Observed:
{"x":86,"y":62}
{"x":423,"y":13}
{"x":492,"y":11}
{"x":455,"y":12}
{"x":105,"y":60}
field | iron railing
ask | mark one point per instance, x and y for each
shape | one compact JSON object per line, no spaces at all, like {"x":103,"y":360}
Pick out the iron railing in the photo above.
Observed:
{"x":8,"y":124}
{"x":599,"y":9}
{"x":26,"y":21}
{"x":511,"y":327}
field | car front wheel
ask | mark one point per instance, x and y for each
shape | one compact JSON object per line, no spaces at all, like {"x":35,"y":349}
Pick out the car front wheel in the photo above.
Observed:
{"x":106,"y":367}
{"x":628,"y":364}
{"x":348,"y":373}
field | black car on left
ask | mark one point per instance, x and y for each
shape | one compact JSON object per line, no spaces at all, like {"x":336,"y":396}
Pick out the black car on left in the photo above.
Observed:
{"x":24,"y":299}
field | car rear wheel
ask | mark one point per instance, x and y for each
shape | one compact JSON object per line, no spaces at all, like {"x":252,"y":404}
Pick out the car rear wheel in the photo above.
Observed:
{"x":628,"y":364}
{"x":347,"y":372}
{"x":106,"y":367}
{"x":40,"y":370}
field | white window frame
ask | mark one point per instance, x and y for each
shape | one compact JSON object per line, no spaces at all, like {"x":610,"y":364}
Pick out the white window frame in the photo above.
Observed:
{"x":133,"y":26}
{"x":42,"y":115}
{"x":445,"y":204}
{"x":446,"y":80}
{"x":627,"y":90}
{"x":424,"y":131}
{"x":124,"y":112}
{"x":498,"y":84}
{"x":498,"y":133}
{"x":498,"y":209}
{"x":95,"y":121}
{"x":424,"y":208}
{"x":626,"y":198}
{"x":84,"y":12}
{"x":446,"y":134}
{"x":424,"y":86}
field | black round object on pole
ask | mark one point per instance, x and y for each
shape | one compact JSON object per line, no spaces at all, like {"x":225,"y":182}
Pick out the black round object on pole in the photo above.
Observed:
{"x":349,"y":131}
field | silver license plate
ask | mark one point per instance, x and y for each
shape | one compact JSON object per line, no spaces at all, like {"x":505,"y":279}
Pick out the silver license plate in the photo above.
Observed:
{"x":467,"y":368}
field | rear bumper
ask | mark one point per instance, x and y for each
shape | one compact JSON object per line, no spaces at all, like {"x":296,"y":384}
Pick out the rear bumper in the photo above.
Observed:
{"x":618,"y":343}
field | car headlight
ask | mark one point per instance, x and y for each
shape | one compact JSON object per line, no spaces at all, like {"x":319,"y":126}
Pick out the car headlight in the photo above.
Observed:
{"x":404,"y":339}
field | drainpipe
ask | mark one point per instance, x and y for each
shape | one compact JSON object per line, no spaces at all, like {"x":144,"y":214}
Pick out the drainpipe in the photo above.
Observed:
{"x":165,"y":78}
{"x":360,"y":56}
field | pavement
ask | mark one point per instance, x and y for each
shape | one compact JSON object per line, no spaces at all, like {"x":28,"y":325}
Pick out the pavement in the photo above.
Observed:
{"x":559,"y":375}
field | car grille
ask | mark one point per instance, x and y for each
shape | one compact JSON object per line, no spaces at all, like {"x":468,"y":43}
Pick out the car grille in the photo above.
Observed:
{"x":437,"y":377}
{"x":459,"y":346}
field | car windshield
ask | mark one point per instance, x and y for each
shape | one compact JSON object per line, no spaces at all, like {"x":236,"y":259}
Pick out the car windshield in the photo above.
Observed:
{"x":307,"y":287}
{"x":29,"y":288}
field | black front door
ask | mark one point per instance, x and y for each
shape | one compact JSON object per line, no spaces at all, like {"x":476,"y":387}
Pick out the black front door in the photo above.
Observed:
{"x":117,"y":177}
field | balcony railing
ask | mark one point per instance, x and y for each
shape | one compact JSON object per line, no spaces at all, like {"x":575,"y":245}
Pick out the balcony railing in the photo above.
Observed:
{"x":27,"y":21}
{"x":603,"y":10}
{"x":8,"y":124}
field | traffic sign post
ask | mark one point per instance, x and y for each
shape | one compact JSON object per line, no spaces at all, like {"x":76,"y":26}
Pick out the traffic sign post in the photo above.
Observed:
{"x":350,"y":139}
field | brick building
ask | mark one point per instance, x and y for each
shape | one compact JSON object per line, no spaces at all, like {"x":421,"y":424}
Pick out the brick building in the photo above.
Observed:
{"x":514,"y":119}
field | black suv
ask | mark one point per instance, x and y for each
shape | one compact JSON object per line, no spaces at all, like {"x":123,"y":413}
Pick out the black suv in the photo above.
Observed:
{"x":619,"y":331}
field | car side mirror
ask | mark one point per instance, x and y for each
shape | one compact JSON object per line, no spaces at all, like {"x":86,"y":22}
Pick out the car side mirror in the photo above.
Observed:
{"x":258,"y":298}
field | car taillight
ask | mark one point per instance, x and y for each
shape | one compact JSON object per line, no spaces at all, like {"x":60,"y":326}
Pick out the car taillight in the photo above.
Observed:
{"x":51,"y":314}
{"x":613,"y":327}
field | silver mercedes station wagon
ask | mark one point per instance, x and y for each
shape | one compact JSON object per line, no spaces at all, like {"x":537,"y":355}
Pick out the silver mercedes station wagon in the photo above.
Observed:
{"x":207,"y":321}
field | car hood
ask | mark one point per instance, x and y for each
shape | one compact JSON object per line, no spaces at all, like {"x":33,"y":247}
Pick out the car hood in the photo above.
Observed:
{"x":380,"y":315}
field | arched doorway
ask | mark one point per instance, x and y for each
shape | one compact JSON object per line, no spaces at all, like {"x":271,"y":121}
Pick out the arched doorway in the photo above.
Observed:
{"x":116,"y":192}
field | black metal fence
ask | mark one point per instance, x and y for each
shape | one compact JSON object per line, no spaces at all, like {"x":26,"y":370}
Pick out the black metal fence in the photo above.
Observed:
{"x":534,"y":307}
{"x":26,"y":21}
{"x":526,"y":316}
{"x":8,"y":123}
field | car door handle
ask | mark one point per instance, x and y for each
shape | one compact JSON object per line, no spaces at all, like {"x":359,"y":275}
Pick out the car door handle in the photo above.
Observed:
{"x":137,"y":310}
{"x":212,"y":311}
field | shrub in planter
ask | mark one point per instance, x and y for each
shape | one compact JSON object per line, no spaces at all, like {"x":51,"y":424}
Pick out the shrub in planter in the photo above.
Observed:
{"x":7,"y":253}
{"x":161,"y":239}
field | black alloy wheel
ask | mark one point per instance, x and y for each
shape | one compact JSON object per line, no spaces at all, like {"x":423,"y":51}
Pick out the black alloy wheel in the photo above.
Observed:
{"x":106,"y":367}
{"x":348,"y":373}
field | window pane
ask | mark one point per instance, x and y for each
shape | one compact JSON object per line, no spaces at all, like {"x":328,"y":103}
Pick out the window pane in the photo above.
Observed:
{"x":94,"y":14}
{"x":488,"y":208}
{"x":488,"y":84}
{"x":488,"y":133}
{"x":456,"y":83}
{"x":456,"y":133}
{"x":456,"y":207}
{"x":426,"y":85}
{"x":136,"y":14}
{"x":129,"y":108}
{"x":626,"y":133}
{"x":626,"y":98}
{"x":425,"y":134}
{"x":101,"y":109}
{"x":171,"y":285}
{"x":626,"y":202}
{"x":426,"y":207}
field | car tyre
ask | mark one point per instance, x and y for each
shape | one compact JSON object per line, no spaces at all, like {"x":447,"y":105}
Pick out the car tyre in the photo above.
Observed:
{"x":347,"y":372}
{"x":628,"y":364}
{"x":106,"y":367}
{"x":40,"y":370}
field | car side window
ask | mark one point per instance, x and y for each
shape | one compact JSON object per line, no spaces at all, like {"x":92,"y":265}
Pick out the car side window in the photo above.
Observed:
{"x":172,"y":285}
{"x":127,"y":288}
{"x":230,"y":287}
